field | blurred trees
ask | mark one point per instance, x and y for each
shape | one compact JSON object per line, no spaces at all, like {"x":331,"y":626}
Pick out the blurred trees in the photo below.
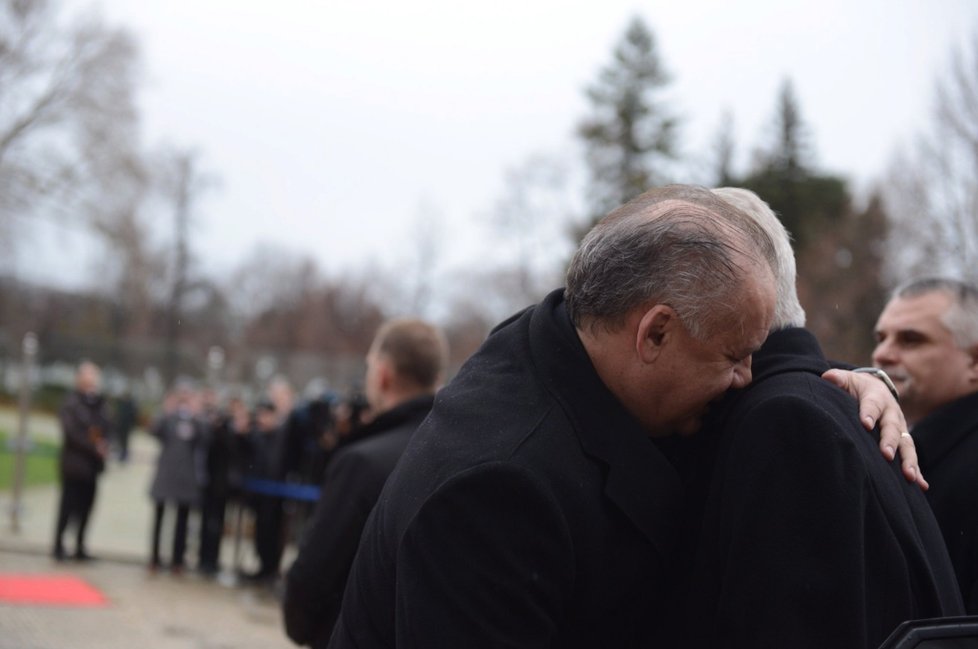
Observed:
{"x":70,"y":148}
{"x":630,"y":136}
{"x":932,"y":190}
{"x":67,"y":113}
{"x":838,"y":248}
{"x":530,"y":217}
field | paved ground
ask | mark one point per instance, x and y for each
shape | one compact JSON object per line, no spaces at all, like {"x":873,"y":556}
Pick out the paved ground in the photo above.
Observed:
{"x":145,"y":611}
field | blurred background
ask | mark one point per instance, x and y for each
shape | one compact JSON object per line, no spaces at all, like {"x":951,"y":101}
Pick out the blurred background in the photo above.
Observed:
{"x":230,"y":191}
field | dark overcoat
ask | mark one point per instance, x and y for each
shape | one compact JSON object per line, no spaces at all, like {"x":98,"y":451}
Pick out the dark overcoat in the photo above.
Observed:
{"x":354,"y":478}
{"x":947,"y":443}
{"x":809,"y":538}
{"x":529,"y":510}
{"x":84,"y":426}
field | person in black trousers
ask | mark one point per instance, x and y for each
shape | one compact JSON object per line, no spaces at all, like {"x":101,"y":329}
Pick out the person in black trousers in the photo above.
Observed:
{"x":226,"y":428}
{"x":84,"y":426}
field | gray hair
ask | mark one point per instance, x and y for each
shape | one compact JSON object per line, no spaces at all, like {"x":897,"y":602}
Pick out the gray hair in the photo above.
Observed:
{"x":678,"y":245}
{"x":961,"y":317}
{"x":787,"y":311}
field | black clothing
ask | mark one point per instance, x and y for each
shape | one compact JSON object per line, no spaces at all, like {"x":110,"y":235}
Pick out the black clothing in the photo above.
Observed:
{"x":303,"y":458}
{"x":263,"y":462}
{"x":809,"y":537}
{"x":179,"y":535}
{"x":77,"y":499}
{"x":529,"y":510}
{"x":126,"y":414}
{"x":947,"y":446}
{"x":355,"y":476}
{"x":218,"y":483}
{"x":84,"y":424}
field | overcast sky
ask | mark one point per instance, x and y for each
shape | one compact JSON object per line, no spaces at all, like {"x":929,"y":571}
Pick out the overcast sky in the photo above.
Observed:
{"x":333,"y":125}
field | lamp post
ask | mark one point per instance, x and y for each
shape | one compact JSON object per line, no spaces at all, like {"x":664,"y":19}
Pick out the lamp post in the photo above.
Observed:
{"x":29,"y":349}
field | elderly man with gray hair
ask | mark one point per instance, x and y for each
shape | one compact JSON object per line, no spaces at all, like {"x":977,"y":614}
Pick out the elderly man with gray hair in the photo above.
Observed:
{"x":927,"y":341}
{"x":802,"y":534}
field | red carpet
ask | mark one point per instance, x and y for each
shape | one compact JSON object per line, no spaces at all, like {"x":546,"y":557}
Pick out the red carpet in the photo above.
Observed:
{"x":48,"y":590}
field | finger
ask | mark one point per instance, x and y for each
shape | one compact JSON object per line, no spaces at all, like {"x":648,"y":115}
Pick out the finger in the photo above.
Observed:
{"x":892,"y":427}
{"x":872,"y":399}
{"x":909,"y":461}
{"x":839,"y":378}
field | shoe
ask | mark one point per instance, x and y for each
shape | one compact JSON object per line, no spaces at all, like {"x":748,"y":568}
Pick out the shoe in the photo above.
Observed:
{"x":154,"y":567}
{"x":257,"y":577}
{"x":176,"y":570}
{"x":83,"y":556}
{"x":208,"y":571}
{"x":58,"y":554}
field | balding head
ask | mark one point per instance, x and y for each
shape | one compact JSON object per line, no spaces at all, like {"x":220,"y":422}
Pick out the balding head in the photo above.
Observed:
{"x":680,"y":245}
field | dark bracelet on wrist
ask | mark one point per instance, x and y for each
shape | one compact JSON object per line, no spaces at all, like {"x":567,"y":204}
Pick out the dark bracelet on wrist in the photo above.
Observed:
{"x":881,"y":375}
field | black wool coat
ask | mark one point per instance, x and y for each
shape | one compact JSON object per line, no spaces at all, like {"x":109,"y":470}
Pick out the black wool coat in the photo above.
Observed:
{"x":947,"y":445}
{"x":354,"y":478}
{"x":809,"y":537}
{"x":529,"y":510}
{"x":84,"y":426}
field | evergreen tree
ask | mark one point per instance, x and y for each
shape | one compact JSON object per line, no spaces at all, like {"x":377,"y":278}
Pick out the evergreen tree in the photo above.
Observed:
{"x":630,"y":136}
{"x":838,"y":249}
{"x":784,"y":176}
{"x":723,"y":152}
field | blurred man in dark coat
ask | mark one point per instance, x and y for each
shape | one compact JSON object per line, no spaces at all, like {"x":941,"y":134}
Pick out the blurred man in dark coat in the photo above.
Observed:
{"x":405,"y":365}
{"x":928,"y":344}
{"x":84,"y":426}
{"x":809,"y":538}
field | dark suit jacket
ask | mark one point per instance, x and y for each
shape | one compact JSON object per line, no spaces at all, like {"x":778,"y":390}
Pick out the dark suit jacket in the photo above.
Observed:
{"x":809,"y":537}
{"x":529,"y":510}
{"x":947,"y":444}
{"x":354,"y":477}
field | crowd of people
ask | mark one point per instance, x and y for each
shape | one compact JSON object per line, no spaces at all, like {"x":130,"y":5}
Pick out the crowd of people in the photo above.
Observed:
{"x":658,"y":454}
{"x":213,"y":454}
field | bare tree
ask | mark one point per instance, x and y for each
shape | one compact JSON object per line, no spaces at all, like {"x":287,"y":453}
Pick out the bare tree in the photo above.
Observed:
{"x":530,"y":217}
{"x":429,"y":224}
{"x":181,"y":183}
{"x":66,"y":108}
{"x":932,"y":193}
{"x":630,"y":137}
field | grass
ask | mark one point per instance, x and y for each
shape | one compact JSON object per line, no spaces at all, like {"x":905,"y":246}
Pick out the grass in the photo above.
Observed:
{"x":41,"y":467}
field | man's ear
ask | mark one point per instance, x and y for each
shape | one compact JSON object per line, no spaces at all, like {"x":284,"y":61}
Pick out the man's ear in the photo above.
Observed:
{"x":385,"y":374}
{"x":656,"y":328}
{"x":973,"y":364}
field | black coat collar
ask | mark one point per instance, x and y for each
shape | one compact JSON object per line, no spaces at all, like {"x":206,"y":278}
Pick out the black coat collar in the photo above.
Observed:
{"x":789,"y":350}
{"x":939,"y":432}
{"x":410,"y":410}
{"x":640,"y":481}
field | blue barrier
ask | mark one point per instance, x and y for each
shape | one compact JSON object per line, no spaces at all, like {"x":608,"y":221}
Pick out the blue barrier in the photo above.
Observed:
{"x":308,"y":493}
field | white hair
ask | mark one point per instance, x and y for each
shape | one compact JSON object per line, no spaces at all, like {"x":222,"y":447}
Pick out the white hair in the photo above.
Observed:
{"x":787,"y":310}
